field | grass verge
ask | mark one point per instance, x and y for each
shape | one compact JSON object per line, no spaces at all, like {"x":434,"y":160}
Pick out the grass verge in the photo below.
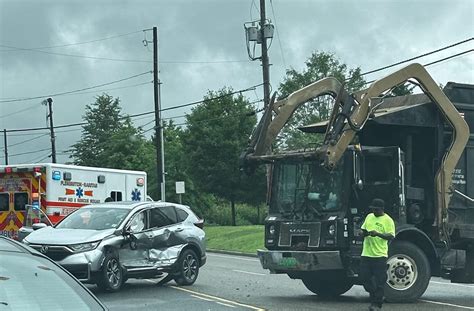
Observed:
{"x":245,"y":239}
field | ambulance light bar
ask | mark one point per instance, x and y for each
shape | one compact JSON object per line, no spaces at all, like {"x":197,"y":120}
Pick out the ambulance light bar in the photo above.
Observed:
{"x":12,"y":169}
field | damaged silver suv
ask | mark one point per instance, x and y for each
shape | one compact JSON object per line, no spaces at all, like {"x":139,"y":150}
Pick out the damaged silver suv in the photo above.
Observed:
{"x":108,"y":243}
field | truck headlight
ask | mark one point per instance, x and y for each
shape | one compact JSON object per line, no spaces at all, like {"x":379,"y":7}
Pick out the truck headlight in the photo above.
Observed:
{"x":84,"y":247}
{"x":332,"y":229}
{"x":271,"y":230}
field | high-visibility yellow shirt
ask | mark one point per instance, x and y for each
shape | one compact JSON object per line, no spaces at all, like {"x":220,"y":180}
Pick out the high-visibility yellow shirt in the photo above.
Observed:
{"x":376,"y":246}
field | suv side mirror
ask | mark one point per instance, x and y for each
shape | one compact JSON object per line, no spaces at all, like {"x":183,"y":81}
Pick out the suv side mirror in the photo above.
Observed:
{"x":39,"y":226}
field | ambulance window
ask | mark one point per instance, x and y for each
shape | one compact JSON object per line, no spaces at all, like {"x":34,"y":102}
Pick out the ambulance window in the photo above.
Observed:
{"x":116,"y":196}
{"x":4,"y":202}
{"x":20,"y":199}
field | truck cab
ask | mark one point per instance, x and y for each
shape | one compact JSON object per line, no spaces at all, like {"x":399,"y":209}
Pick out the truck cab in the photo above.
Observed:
{"x":315,"y":214}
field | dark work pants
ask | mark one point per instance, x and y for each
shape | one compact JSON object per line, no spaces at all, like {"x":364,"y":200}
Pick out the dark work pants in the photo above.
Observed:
{"x":373,"y":274}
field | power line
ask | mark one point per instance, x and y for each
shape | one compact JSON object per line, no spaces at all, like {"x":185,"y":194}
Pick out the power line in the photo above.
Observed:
{"x":14,"y":48}
{"x":220,"y":118}
{"x":184,"y":115}
{"x":138,"y":114}
{"x":75,"y":91}
{"x":214,"y":98}
{"x":36,"y":105}
{"x":278,"y":34}
{"x":449,"y":57}
{"x":437,"y":61}
{"x":23,"y":153}
{"x":44,"y":158}
{"x":25,"y":141}
{"x":76,"y":55}
{"x":110,"y":89}
{"x":416,"y":57}
{"x":40,"y":158}
{"x":76,"y":43}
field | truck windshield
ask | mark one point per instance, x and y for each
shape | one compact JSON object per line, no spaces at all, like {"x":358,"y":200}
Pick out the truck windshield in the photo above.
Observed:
{"x":305,"y":188}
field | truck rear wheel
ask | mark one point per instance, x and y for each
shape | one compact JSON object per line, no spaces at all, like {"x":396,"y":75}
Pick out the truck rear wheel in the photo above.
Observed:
{"x":327,"y":285}
{"x":408,"y":272}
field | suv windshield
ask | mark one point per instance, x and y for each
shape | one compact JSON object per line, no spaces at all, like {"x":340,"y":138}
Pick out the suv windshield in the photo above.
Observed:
{"x":305,"y":188}
{"x":94,"y":218}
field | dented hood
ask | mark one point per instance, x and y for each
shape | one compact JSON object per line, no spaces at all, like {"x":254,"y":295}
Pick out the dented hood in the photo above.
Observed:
{"x":52,"y":236}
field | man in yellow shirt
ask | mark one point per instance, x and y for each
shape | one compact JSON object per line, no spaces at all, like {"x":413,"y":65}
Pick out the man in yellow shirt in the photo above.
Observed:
{"x":378,"y":228}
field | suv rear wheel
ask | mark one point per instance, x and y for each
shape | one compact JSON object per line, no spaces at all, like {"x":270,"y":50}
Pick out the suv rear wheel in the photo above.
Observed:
{"x":188,"y":268}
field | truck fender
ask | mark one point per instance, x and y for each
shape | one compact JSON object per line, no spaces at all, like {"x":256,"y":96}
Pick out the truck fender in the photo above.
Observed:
{"x":412,"y":234}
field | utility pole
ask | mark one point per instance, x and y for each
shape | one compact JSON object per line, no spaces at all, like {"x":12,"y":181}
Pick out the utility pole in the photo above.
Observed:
{"x":5,"y":144}
{"x":265,"y":61}
{"x":257,"y":32}
{"x":49,"y":102}
{"x":158,"y":123}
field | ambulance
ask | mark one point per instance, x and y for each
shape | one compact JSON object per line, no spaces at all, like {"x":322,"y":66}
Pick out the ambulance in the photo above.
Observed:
{"x":59,"y":189}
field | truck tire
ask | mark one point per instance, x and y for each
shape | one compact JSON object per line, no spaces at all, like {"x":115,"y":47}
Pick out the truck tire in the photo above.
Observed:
{"x":111,"y":277}
{"x":187,"y":268}
{"x":327,"y":287}
{"x":408,"y":272}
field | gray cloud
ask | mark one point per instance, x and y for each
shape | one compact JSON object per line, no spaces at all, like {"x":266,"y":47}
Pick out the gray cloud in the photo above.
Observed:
{"x":369,"y":34}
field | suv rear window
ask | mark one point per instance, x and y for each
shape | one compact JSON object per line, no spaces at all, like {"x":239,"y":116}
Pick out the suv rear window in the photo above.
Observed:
{"x":182,"y":214}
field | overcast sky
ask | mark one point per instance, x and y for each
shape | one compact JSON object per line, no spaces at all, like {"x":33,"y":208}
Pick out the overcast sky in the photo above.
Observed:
{"x":201,"y":47}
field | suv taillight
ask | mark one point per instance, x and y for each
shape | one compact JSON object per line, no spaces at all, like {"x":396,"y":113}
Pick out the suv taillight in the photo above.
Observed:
{"x":199,"y":223}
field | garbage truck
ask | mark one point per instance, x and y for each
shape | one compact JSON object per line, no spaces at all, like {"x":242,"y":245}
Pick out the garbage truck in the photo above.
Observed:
{"x":415,"y":152}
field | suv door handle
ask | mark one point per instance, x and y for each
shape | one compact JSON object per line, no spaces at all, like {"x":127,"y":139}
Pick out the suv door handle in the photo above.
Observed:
{"x":179,"y":229}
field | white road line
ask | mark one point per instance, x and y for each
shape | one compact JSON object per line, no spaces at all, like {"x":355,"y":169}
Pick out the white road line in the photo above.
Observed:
{"x":198,"y":297}
{"x":447,"y":304}
{"x":456,"y":284}
{"x":247,"y":272}
{"x":224,"y":304}
{"x":217,"y":298}
{"x":234,"y":257}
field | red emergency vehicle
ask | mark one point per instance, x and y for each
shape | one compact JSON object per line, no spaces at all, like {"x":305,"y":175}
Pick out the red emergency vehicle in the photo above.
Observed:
{"x":61,"y":189}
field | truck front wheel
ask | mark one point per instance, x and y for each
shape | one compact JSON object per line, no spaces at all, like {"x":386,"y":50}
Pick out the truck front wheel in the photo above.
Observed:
{"x":327,"y":285}
{"x":408,"y":272}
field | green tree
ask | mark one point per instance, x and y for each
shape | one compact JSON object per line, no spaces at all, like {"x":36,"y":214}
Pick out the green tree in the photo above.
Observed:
{"x":401,"y":90}
{"x":216,"y":134}
{"x":110,"y":140}
{"x":176,"y":170}
{"x":318,"y":66}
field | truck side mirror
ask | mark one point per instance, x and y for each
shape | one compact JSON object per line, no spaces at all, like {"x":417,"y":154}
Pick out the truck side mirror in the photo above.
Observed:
{"x":357,"y":164}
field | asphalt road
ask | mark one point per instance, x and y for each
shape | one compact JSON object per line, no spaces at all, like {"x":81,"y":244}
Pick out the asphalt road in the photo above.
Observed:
{"x":229,"y":282}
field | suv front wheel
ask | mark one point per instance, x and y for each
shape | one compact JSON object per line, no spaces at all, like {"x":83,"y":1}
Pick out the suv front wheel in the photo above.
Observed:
{"x":111,"y":276}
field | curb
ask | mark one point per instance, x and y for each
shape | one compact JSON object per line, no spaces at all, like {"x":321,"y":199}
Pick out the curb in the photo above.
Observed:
{"x":218,"y":251}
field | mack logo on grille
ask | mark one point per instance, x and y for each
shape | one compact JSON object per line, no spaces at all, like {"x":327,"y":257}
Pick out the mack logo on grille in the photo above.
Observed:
{"x":300,"y":231}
